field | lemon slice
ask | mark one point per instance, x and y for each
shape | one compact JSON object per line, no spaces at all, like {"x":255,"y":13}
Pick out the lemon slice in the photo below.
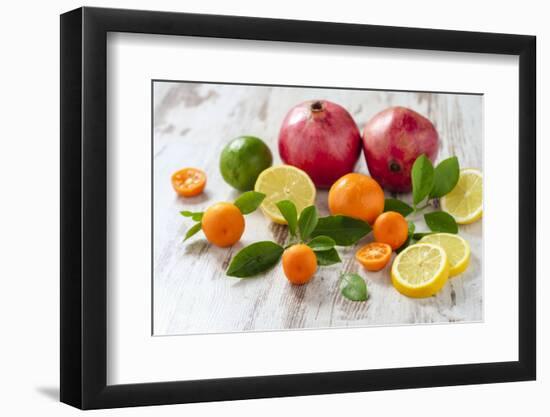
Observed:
{"x":456,"y":248}
{"x":465,"y":201}
{"x":421,"y":270}
{"x":284,"y":182}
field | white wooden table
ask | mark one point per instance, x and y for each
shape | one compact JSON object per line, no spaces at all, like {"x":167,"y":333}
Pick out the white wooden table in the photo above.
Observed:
{"x":192,"y":294}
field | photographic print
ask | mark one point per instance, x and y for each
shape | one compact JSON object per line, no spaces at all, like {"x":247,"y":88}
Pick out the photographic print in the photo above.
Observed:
{"x":293,"y":207}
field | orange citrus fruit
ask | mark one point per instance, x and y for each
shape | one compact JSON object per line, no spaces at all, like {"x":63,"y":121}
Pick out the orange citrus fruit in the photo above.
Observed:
{"x":391,"y":228}
{"x":189,"y":182}
{"x":223,"y":224}
{"x":299,"y":263}
{"x":356,"y":195}
{"x":374,"y":256}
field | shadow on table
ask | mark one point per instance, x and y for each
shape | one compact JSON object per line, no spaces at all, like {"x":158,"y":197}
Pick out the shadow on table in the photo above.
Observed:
{"x":50,"y":392}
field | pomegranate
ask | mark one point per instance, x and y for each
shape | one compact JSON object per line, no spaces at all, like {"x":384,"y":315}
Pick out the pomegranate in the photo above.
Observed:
{"x":392,"y":140}
{"x":321,"y":138}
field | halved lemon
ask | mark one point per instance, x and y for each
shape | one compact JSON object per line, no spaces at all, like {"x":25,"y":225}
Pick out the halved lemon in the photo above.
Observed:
{"x":465,"y":201}
{"x":421,"y":270}
{"x":284,"y":182}
{"x":456,"y":248}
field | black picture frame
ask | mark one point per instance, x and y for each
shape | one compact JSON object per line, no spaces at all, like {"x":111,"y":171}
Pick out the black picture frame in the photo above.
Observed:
{"x":84,"y":207}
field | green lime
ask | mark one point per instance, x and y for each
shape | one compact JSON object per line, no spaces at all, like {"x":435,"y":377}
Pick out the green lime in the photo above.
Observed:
{"x":242,"y":160}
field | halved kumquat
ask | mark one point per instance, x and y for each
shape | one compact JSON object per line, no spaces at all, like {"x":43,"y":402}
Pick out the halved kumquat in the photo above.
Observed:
{"x":374,"y":256}
{"x":189,"y":182}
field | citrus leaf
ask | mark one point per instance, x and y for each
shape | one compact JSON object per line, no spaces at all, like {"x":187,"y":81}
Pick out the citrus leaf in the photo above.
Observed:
{"x":410,"y":235}
{"x":393,"y":204}
{"x":321,"y":243}
{"x":422,"y":175}
{"x":353,"y":287}
{"x":343,"y":230}
{"x":307,"y":221}
{"x":249,"y":201}
{"x":195,"y":215}
{"x":327,"y":257}
{"x":441,"y":221}
{"x":289,"y":212}
{"x":418,"y":236}
{"x":193,"y":230}
{"x":446,"y":177}
{"x":255,"y":258}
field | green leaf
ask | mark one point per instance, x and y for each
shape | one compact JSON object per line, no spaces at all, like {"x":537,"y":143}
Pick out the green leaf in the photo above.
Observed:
{"x":255,"y":258}
{"x":441,"y":221}
{"x":418,"y":236}
{"x":289,"y":212}
{"x":193,"y":230}
{"x":195,"y":215}
{"x":249,"y":201}
{"x":422,"y":175}
{"x":307,"y":221}
{"x":321,"y":243}
{"x":393,"y":204}
{"x":410,"y":235}
{"x":345,"y":231}
{"x":353,"y":287}
{"x":446,"y":177}
{"x":327,"y":257}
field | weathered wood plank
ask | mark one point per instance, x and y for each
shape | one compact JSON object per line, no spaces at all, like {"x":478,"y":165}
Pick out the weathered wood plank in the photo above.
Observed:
{"x":192,"y":123}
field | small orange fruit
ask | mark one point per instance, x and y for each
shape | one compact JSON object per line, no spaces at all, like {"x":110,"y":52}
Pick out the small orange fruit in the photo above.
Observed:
{"x":356,"y":195}
{"x":189,"y":182}
{"x":374,"y":256}
{"x":391,"y":228}
{"x":223,"y":224}
{"x":299,"y":263}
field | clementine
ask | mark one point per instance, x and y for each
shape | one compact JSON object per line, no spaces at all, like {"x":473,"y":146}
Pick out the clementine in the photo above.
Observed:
{"x":356,"y":195}
{"x":299,"y":264}
{"x":391,"y":228}
{"x":223,"y":224}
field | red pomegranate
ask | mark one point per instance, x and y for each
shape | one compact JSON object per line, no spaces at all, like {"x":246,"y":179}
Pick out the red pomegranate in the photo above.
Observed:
{"x":392,"y":140}
{"x":321,"y":138}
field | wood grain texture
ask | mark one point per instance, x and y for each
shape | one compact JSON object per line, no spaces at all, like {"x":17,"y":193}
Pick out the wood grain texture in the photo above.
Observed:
{"x":192,"y":124}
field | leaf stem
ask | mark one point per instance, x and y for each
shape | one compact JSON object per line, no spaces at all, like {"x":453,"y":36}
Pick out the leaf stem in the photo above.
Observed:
{"x":425,"y":206}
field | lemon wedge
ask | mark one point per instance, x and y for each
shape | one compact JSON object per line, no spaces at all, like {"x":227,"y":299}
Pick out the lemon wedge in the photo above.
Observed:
{"x":465,"y":201}
{"x":456,"y":248}
{"x":421,"y":270}
{"x":284,"y":182}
